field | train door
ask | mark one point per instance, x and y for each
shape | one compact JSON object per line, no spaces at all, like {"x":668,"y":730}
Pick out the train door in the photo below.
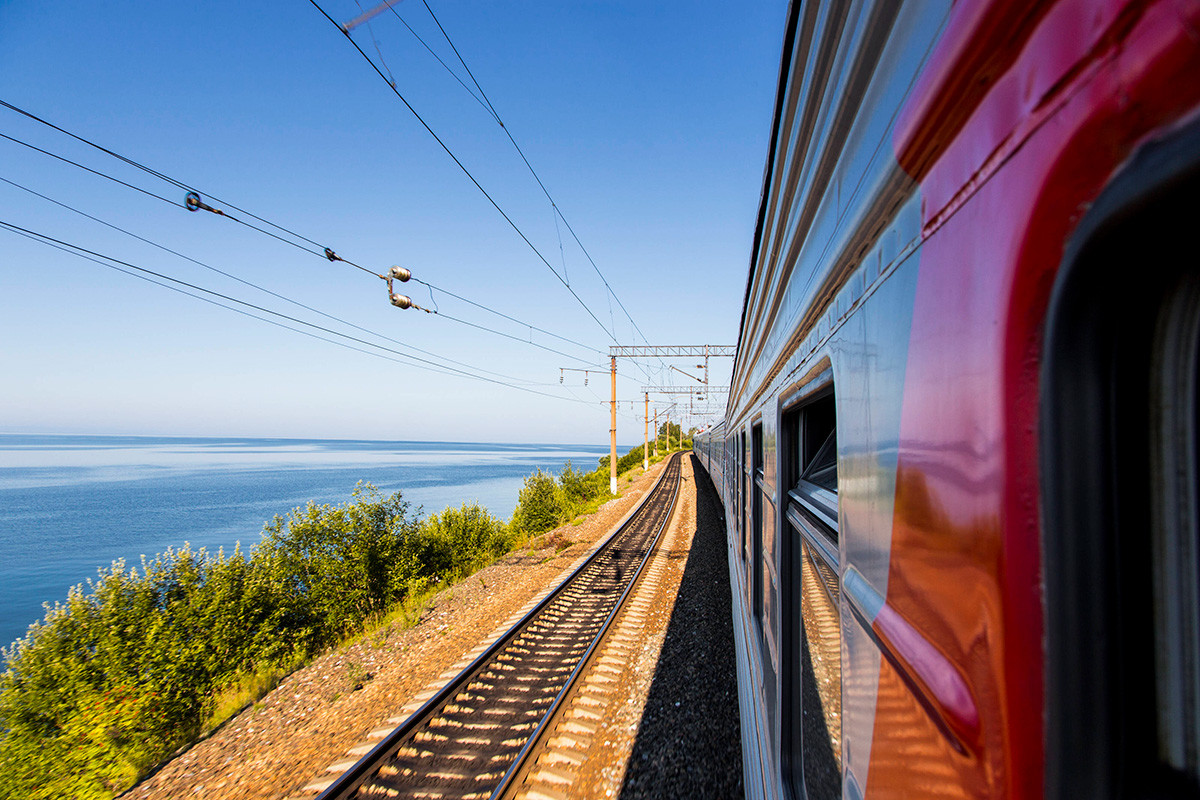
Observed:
{"x":811,"y":700}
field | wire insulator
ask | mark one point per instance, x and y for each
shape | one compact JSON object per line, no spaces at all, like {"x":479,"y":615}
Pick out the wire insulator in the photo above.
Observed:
{"x":400,"y":273}
{"x":332,"y":256}
{"x":193,"y":202}
{"x":401,"y":301}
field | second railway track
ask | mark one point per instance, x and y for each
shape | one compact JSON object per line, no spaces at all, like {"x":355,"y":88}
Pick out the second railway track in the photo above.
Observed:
{"x":470,"y":737}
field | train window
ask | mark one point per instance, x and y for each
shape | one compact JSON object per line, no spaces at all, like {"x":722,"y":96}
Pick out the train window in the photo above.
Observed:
{"x":743,"y":493}
{"x":811,"y":635}
{"x":815,"y":486}
{"x":756,"y":523}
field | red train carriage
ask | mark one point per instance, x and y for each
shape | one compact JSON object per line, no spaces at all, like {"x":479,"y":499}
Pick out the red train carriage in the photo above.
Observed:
{"x":959,"y":460}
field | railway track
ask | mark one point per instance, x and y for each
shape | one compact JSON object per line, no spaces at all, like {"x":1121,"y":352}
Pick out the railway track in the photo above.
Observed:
{"x":470,"y":739}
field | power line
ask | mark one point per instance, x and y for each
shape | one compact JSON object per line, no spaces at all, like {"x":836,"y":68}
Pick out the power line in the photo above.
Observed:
{"x":151,"y":171}
{"x":227,"y":307}
{"x":244,"y":313}
{"x":557,"y":213}
{"x":250,"y":284}
{"x":167,"y":200}
{"x":196,"y":202}
{"x":77,"y":249}
{"x":510,"y":336}
{"x":322,"y":251}
{"x":88,"y":169}
{"x":465,"y":171}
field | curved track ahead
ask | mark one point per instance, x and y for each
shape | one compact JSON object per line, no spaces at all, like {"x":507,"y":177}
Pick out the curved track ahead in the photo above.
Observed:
{"x":468,"y":738}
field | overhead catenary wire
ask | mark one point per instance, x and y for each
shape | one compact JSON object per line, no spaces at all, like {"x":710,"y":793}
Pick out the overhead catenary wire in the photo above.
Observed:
{"x":481,"y":307}
{"x":554,"y":205}
{"x":532,"y":171}
{"x":151,"y":171}
{"x":467,"y":172}
{"x":167,"y":200}
{"x":79,"y":250}
{"x":148,"y":193}
{"x":486,"y":106}
{"x":557,"y":214}
{"x":530,"y":342}
{"x":324,"y":253}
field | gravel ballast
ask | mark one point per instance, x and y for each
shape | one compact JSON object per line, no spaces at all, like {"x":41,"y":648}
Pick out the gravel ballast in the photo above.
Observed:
{"x":689,"y":741}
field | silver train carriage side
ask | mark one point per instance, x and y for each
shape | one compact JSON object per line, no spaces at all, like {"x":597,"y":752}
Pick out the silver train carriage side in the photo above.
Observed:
{"x":920,"y":608}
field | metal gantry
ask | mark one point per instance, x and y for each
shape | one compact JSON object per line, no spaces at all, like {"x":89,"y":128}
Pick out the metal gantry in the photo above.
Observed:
{"x":699,"y":391}
{"x":705,"y":351}
{"x":672,"y":351}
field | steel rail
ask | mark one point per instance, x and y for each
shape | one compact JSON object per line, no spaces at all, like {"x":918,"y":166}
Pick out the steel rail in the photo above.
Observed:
{"x":366,"y":767}
{"x":519,"y":766}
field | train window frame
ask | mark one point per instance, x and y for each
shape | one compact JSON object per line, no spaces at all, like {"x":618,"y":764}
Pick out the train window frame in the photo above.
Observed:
{"x":741,"y":477}
{"x":1118,"y":490}
{"x":1120,"y":474}
{"x":810,"y":518}
{"x":758,"y":561}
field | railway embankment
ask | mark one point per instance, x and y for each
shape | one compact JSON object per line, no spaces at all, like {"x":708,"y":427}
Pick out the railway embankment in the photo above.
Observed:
{"x":318,"y":712}
{"x":322,"y":716}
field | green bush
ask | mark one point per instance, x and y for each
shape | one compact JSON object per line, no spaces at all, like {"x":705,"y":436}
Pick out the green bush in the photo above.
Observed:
{"x":340,"y":565}
{"x":581,"y":491}
{"x":461,"y":540}
{"x":116,"y":677}
{"x":539,"y":504}
{"x":625,"y":463}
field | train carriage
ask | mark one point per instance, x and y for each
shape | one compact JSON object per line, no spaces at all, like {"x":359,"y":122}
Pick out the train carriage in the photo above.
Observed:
{"x":959,"y":454}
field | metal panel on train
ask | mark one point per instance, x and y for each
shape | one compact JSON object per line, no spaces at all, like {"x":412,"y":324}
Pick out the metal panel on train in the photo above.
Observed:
{"x":878,"y":460}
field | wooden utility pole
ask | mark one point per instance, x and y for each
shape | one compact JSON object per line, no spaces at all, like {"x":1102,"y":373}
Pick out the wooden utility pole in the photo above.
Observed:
{"x":646,"y":437}
{"x":612,"y":433}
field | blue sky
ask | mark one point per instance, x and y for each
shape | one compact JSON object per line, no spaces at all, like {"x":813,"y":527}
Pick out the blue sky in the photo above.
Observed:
{"x":648,"y":123}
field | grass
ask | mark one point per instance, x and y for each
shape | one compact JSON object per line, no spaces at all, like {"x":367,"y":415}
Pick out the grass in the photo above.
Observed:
{"x":247,"y":690}
{"x":356,"y":676}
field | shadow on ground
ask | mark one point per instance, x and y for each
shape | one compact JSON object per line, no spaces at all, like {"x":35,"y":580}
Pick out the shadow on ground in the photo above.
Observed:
{"x":689,"y":742}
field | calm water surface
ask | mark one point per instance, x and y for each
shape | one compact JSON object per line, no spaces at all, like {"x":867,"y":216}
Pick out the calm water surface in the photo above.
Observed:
{"x":70,"y":504}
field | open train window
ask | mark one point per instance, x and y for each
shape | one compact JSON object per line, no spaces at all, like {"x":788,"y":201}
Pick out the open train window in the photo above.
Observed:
{"x":815,"y":454}
{"x":811,"y":588}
